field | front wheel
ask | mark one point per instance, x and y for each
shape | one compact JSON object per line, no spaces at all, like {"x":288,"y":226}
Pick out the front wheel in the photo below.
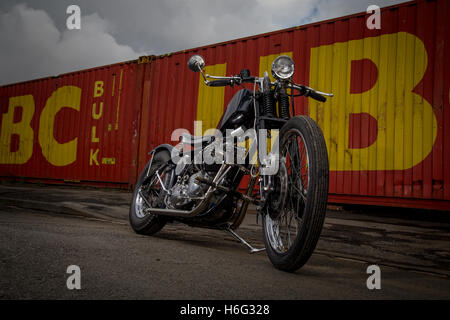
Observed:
{"x":293,"y":221}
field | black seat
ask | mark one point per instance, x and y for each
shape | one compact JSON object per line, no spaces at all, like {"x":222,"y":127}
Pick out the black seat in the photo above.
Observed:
{"x":189,"y":139}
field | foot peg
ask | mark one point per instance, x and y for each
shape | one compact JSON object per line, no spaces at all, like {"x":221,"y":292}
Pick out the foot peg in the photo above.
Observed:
{"x":238,"y":237}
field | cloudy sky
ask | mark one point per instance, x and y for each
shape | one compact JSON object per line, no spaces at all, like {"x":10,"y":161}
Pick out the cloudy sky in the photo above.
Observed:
{"x":35,"y":41}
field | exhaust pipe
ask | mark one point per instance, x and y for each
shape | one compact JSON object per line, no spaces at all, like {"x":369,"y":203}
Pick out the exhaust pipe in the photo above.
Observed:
{"x":179,"y":213}
{"x":197,"y":210}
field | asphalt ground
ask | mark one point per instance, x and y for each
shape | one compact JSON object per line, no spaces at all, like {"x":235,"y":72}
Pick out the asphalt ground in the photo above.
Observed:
{"x":45,"y":229}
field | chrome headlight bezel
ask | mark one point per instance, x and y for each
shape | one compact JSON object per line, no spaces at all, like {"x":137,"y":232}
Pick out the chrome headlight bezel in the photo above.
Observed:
{"x":283,"y":68}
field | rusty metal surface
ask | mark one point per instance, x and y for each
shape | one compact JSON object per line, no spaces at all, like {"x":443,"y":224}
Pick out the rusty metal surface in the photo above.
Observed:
{"x":387,"y":128}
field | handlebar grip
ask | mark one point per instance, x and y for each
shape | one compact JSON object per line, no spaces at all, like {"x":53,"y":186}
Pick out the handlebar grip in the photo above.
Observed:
{"x":316,"y":96}
{"x":220,"y":83}
{"x":249,"y":79}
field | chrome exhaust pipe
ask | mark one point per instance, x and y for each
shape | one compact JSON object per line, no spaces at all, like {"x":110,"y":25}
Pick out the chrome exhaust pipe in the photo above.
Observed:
{"x":180,"y":213}
{"x":197,"y":210}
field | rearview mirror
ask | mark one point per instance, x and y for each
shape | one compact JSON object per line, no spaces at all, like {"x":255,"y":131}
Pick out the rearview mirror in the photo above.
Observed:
{"x":196,"y":63}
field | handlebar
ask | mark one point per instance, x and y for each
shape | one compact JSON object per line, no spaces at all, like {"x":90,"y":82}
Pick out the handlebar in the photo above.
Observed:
{"x":230,"y":81}
{"x":316,"y":96}
{"x":221,"y":83}
{"x":310,"y":92}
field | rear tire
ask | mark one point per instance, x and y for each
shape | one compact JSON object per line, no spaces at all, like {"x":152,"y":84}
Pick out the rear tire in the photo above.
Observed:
{"x":141,"y":221}
{"x":305,"y":208}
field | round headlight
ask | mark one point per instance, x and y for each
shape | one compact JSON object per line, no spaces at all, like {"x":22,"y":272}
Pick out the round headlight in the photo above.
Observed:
{"x":283,"y":67}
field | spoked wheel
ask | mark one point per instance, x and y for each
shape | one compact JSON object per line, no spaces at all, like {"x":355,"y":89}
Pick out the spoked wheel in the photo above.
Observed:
{"x":147,"y":194}
{"x":295,"y":216}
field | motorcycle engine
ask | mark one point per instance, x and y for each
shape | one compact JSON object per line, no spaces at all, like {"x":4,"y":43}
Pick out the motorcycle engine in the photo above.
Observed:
{"x":187,"y":191}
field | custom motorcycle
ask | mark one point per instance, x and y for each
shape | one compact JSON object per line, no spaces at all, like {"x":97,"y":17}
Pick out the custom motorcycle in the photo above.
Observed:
{"x":197,"y":182}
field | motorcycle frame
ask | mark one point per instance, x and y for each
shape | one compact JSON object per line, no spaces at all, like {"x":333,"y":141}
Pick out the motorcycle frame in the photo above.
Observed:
{"x":260,"y":122}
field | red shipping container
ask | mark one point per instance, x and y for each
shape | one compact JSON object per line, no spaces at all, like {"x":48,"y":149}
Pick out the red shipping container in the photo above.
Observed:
{"x":78,"y":127}
{"x":387,"y":128}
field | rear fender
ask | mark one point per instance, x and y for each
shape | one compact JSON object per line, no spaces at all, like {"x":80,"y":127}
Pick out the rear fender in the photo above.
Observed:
{"x":161,"y":147}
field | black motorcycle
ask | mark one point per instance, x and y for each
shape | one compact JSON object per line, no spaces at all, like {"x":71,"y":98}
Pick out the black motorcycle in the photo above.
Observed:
{"x":197,"y":182}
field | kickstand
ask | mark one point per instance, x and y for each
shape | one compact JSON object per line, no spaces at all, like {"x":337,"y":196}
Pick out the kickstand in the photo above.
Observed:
{"x":238,"y":237}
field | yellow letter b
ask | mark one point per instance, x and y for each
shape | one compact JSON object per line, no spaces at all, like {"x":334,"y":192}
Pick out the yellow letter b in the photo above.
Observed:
{"x":22,"y":129}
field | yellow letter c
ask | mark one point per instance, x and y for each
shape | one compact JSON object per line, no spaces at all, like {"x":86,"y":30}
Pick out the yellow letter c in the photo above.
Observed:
{"x":58,"y":154}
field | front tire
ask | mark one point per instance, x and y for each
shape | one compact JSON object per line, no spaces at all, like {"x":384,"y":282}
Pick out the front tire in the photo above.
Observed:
{"x":291,"y":234}
{"x":141,"y":221}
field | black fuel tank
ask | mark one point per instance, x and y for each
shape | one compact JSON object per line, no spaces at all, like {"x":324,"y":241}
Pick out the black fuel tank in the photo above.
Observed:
{"x":240,"y":110}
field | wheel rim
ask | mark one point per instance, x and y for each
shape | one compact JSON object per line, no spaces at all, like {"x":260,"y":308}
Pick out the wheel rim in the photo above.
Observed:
{"x":140,"y":206}
{"x":283,"y":231}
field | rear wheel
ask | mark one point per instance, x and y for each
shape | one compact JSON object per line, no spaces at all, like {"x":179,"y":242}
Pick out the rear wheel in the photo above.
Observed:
{"x":147,"y":194}
{"x":294,"y":220}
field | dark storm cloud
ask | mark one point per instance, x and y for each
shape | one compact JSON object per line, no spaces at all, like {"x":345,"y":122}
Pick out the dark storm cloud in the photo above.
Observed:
{"x":35,"y":41}
{"x":32,"y":46}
